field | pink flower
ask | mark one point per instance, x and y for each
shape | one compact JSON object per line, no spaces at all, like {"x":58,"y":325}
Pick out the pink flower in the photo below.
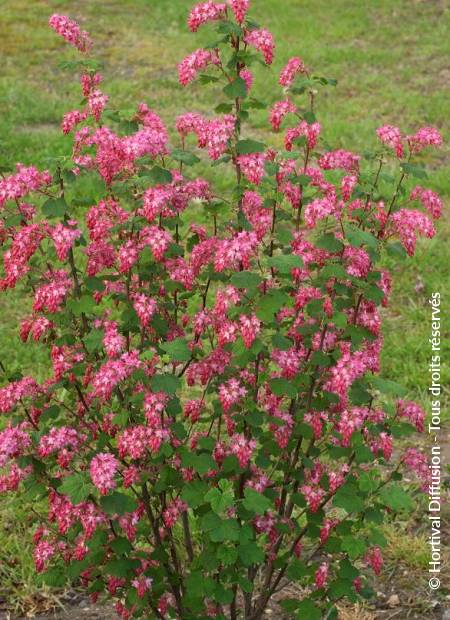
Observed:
{"x":348,"y":184}
{"x":24,"y":181}
{"x":89,"y":82}
{"x":374,"y":559}
{"x":340,"y":159}
{"x":64,"y":237}
{"x":262,"y":40}
{"x":15,"y":260}
{"x":231,"y":252}
{"x":318,"y":209}
{"x":103,"y":468}
{"x":113,"y":341}
{"x":71,"y":120}
{"x":71,"y":32}
{"x":418,"y":463}
{"x":247,"y":76}
{"x":217,"y":133}
{"x":59,"y":438}
{"x":112,"y":373}
{"x":408,"y":224}
{"x":279,"y":110}
{"x":412,"y":412}
{"x":205,"y":12}
{"x":313,"y":496}
{"x":142,"y":585}
{"x":239,"y":8}
{"x":358,"y":262}
{"x":311,"y":133}
{"x":321,"y":575}
{"x":242,"y":448}
{"x":158,"y":240}
{"x":12,"y":393}
{"x":252,"y":166}
{"x":294,"y":65}
{"x":426,"y":136}
{"x":250,"y":326}
{"x":51,"y":296}
{"x":195,"y":62}
{"x":145,"y":307}
{"x":430,"y":200}
{"x":173,"y":511}
{"x":96,"y":103}
{"x":231,"y":393}
{"x":391,"y":136}
{"x":14,"y":441}
{"x":34,"y":326}
{"x":43,"y":552}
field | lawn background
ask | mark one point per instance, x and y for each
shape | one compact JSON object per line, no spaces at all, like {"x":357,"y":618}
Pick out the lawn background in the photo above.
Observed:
{"x":390,"y":58}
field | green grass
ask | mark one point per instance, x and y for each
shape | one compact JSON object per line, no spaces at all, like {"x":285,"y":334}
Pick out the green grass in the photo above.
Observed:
{"x":389,"y":57}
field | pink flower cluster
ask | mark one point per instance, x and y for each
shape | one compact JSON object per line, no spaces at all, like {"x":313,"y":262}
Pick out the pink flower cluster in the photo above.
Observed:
{"x":279,"y":110}
{"x":71,"y":32}
{"x":310,"y":132}
{"x":204,"y":12}
{"x":194,"y":63}
{"x":293,"y":67}
{"x":261,"y":40}
{"x":409,"y":223}
{"x":239,"y":8}
{"x":24,"y":181}
{"x":103,"y":469}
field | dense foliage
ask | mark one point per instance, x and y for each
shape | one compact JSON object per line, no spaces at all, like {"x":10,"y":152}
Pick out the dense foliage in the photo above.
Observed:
{"x":213,"y":427}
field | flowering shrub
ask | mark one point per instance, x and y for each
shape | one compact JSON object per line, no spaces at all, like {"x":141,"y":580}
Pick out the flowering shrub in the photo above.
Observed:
{"x":213,"y":427}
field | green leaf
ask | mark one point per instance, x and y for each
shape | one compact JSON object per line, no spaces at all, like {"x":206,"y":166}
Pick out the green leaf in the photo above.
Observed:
{"x":297,"y":570}
{"x":159,"y":176}
{"x":396,"y":498}
{"x":118,"y":503}
{"x":256,"y":502}
{"x":245,"y":279}
{"x":357,"y":237}
{"x":270,"y":304}
{"x":308,"y":611}
{"x":186,"y":157}
{"x":219,"y":501}
{"x":250,"y":554}
{"x":244,"y":147}
{"x":55,"y":207}
{"x":284,"y":263}
{"x":54,"y":578}
{"x":347,"y":570}
{"x":84,"y":305}
{"x":355,"y":547}
{"x":228,"y":530}
{"x":329,"y":242}
{"x":415,"y":171}
{"x":281,"y":342}
{"x":177,"y":349}
{"x":386,"y":386}
{"x":235,"y":89}
{"x":77,"y":487}
{"x":227,"y":555}
{"x":165,"y":383}
{"x":94,"y":284}
{"x":121,"y":546}
{"x":347,"y":498}
{"x":282,"y":387}
{"x":374,"y":293}
{"x":94,"y":340}
{"x":121,"y":567}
